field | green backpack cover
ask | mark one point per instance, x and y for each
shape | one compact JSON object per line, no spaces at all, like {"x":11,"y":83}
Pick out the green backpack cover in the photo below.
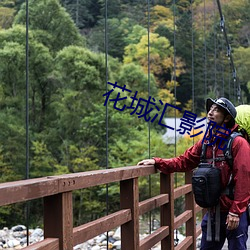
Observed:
{"x":243,"y":118}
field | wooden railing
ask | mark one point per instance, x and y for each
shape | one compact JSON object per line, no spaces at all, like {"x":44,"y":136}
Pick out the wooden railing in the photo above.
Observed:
{"x":56,"y":192}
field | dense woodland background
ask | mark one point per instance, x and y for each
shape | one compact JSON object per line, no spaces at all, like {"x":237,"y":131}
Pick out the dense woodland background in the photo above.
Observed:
{"x":75,"y":47}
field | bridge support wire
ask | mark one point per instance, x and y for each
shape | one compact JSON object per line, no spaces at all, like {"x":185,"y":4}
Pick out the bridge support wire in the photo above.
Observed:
{"x":229,"y":54}
{"x":107,"y":121}
{"x":27,"y":204}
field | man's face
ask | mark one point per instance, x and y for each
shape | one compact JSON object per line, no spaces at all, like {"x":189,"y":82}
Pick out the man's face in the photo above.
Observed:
{"x":216,"y":114}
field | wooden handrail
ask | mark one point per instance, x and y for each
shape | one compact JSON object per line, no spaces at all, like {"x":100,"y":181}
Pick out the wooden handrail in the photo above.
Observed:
{"x":24,"y":190}
{"x":46,"y":244}
{"x":90,"y":230}
{"x":58,"y":208}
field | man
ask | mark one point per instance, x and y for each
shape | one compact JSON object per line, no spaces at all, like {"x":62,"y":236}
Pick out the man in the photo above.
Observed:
{"x":233,"y":212}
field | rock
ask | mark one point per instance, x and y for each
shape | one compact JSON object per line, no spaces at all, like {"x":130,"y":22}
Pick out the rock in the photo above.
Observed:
{"x":111,"y":239}
{"x":180,"y":237}
{"x":80,"y":246}
{"x":13,"y":243}
{"x":117,"y":244}
{"x":18,"y":234}
{"x":100,"y":238}
{"x":38,"y":232}
{"x":18,"y":247}
{"x":111,"y":233}
{"x":23,"y":240}
{"x":18,"y":228}
{"x":156,"y":248}
{"x":95,"y":248}
{"x":117,"y":235}
{"x":3,"y":233}
{"x":103,"y":243}
{"x":91,"y":242}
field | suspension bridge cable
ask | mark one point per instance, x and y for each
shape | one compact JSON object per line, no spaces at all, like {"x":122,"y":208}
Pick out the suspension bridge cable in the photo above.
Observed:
{"x":107,"y":120}
{"x":149,"y":142}
{"x":192,"y":73}
{"x":215,"y":52}
{"x":174,"y":74}
{"x":175,"y":95}
{"x":222,"y":68}
{"x":229,"y":83}
{"x":27,"y":207}
{"x":223,"y":79}
{"x":192,"y":63}
{"x":205,"y":51}
{"x":229,"y":53}
{"x":77,"y":13}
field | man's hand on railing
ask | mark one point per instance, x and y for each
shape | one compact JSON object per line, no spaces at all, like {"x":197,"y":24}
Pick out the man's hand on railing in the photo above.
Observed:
{"x":146,"y":162}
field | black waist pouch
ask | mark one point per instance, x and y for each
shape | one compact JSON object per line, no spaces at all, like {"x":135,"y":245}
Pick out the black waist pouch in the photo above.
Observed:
{"x":206,"y":183}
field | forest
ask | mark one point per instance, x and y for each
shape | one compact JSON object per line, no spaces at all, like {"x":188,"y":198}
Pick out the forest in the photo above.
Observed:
{"x":54,"y":74}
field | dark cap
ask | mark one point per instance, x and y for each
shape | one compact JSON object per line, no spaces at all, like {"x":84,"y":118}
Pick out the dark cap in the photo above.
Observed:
{"x":223,"y":103}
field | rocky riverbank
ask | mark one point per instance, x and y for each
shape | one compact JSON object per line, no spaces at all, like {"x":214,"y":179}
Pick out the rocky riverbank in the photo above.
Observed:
{"x":16,"y":238}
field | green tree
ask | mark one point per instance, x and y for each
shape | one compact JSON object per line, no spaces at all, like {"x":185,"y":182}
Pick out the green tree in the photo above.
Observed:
{"x":117,"y":32}
{"x":42,"y":163}
{"x":12,"y":124}
{"x":133,"y":76}
{"x":84,"y":13}
{"x":237,"y":21}
{"x":13,"y":149}
{"x":241,"y":56}
{"x":13,"y":60}
{"x":136,"y":34}
{"x":53,"y":25}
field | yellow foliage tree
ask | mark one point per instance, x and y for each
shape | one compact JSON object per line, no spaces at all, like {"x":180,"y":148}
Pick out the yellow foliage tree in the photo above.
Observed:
{"x":161,"y":16}
{"x":160,"y":55}
{"x":6,"y":17}
{"x":166,"y":96}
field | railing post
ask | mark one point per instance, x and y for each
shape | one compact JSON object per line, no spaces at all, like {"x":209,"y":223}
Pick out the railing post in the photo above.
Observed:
{"x":58,"y":219}
{"x":167,"y":210}
{"x":129,"y":198}
{"x":190,"y":205}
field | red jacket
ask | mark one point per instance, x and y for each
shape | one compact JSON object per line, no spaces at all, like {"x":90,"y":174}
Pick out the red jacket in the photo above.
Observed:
{"x":241,"y":169}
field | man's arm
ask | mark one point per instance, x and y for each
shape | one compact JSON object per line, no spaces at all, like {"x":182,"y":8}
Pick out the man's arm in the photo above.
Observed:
{"x":185,"y":162}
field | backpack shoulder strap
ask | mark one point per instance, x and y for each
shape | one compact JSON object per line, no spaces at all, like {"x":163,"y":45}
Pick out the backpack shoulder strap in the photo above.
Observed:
{"x":203,"y":152}
{"x":228,"y":150}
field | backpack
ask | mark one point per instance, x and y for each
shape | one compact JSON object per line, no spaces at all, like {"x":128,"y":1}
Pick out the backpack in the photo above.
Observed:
{"x":206,"y":179}
{"x":243,"y":120}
